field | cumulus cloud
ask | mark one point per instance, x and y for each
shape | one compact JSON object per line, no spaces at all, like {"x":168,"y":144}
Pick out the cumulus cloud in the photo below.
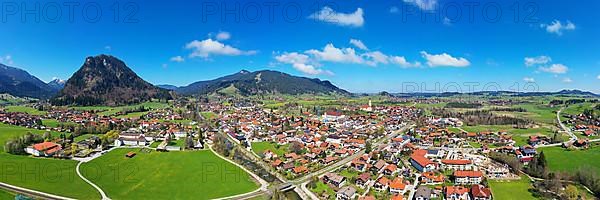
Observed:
{"x":567,"y":80}
{"x":423,"y":4}
{"x":333,"y":54}
{"x":302,"y":63}
{"x":598,"y":77}
{"x":556,"y":27}
{"x":326,"y":14}
{"x":529,"y":79}
{"x":208,"y":47}
{"x":177,"y":59}
{"x":444,"y":59}
{"x":539,"y":60}
{"x":310,"y":61}
{"x":358,"y":44}
{"x":223,"y":35}
{"x":555,"y":69}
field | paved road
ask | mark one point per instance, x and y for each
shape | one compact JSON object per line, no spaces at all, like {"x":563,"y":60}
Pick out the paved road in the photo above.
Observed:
{"x":102,"y":193}
{"x":565,"y":128}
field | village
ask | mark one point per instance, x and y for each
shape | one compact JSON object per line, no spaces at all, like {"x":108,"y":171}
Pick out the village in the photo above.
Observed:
{"x":392,"y":156}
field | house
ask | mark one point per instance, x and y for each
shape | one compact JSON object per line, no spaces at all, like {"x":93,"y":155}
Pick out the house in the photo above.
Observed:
{"x":126,"y":141}
{"x":390,"y":169}
{"x":456,"y":164}
{"x":334,"y":179}
{"x":467,"y":177}
{"x":418,"y":160}
{"x":378,"y":166}
{"x":589,"y":132}
{"x":431,"y":178}
{"x":382,"y":184}
{"x":300,"y":169}
{"x":397,"y":186}
{"x":362,"y":179}
{"x":346,"y":193}
{"x":44,"y":149}
{"x":457,"y":193}
{"x":423,"y":193}
{"x":480,"y":192}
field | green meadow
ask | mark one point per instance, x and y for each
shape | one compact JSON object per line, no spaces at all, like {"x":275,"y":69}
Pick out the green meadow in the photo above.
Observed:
{"x":156,"y":175}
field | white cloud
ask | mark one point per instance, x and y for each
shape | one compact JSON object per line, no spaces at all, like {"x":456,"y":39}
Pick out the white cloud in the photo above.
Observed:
{"x":177,"y":59}
{"x":310,"y":61}
{"x":530,"y":61}
{"x":376,"y":57}
{"x":555,"y":69}
{"x":327,"y":14}
{"x":302,"y":63}
{"x":558,"y":28}
{"x":400,"y":60}
{"x":208,"y":47}
{"x":223,"y":35}
{"x":164,"y":66}
{"x":7,"y":59}
{"x":567,"y":80}
{"x":394,"y":9}
{"x":444,"y":59}
{"x":358,"y":44}
{"x":333,"y":54}
{"x":108,"y":48}
{"x":423,"y":4}
{"x":529,"y":79}
{"x":598,"y":77}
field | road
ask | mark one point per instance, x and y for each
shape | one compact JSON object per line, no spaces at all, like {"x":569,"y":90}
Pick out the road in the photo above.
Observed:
{"x":102,"y":193}
{"x":302,"y":181}
{"x":565,"y":128}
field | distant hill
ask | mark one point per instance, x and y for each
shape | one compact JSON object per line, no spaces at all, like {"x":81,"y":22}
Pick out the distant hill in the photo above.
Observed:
{"x":261,"y":82}
{"x":57,"y":84}
{"x":19,"y":83}
{"x":168,"y":87}
{"x":106,"y":80}
{"x":577,"y":93}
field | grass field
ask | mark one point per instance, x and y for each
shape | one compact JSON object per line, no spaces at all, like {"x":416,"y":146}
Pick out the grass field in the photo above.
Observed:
{"x":46,"y":175}
{"x":260,"y":147}
{"x":8,"y":132}
{"x":25,"y":109}
{"x":156,"y":175}
{"x":560,"y":159}
{"x":110,"y":111}
{"x":538,"y":113}
{"x":520,"y":136}
{"x":517,"y":190}
{"x":133,"y":115}
{"x":5,"y":195}
{"x":55,"y":123}
{"x":322,"y":187}
{"x":82,"y":137}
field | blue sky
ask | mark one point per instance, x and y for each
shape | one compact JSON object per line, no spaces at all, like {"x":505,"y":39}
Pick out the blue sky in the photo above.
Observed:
{"x":361,"y":46}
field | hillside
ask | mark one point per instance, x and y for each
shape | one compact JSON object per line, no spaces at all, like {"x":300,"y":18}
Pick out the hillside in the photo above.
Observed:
{"x":261,"y":82}
{"x":19,"y":83}
{"x":106,"y":80}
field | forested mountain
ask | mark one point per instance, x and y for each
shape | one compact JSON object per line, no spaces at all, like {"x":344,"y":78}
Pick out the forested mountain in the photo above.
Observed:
{"x":106,"y":80}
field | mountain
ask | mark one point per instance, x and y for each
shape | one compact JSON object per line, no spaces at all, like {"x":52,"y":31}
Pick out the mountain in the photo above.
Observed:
{"x":262,"y":82}
{"x":57,"y":84}
{"x":106,"y":80}
{"x":167,"y":86}
{"x":20,"y":83}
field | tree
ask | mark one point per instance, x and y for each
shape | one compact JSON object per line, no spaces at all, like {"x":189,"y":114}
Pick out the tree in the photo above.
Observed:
{"x":571,"y":192}
{"x":368,"y":147}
